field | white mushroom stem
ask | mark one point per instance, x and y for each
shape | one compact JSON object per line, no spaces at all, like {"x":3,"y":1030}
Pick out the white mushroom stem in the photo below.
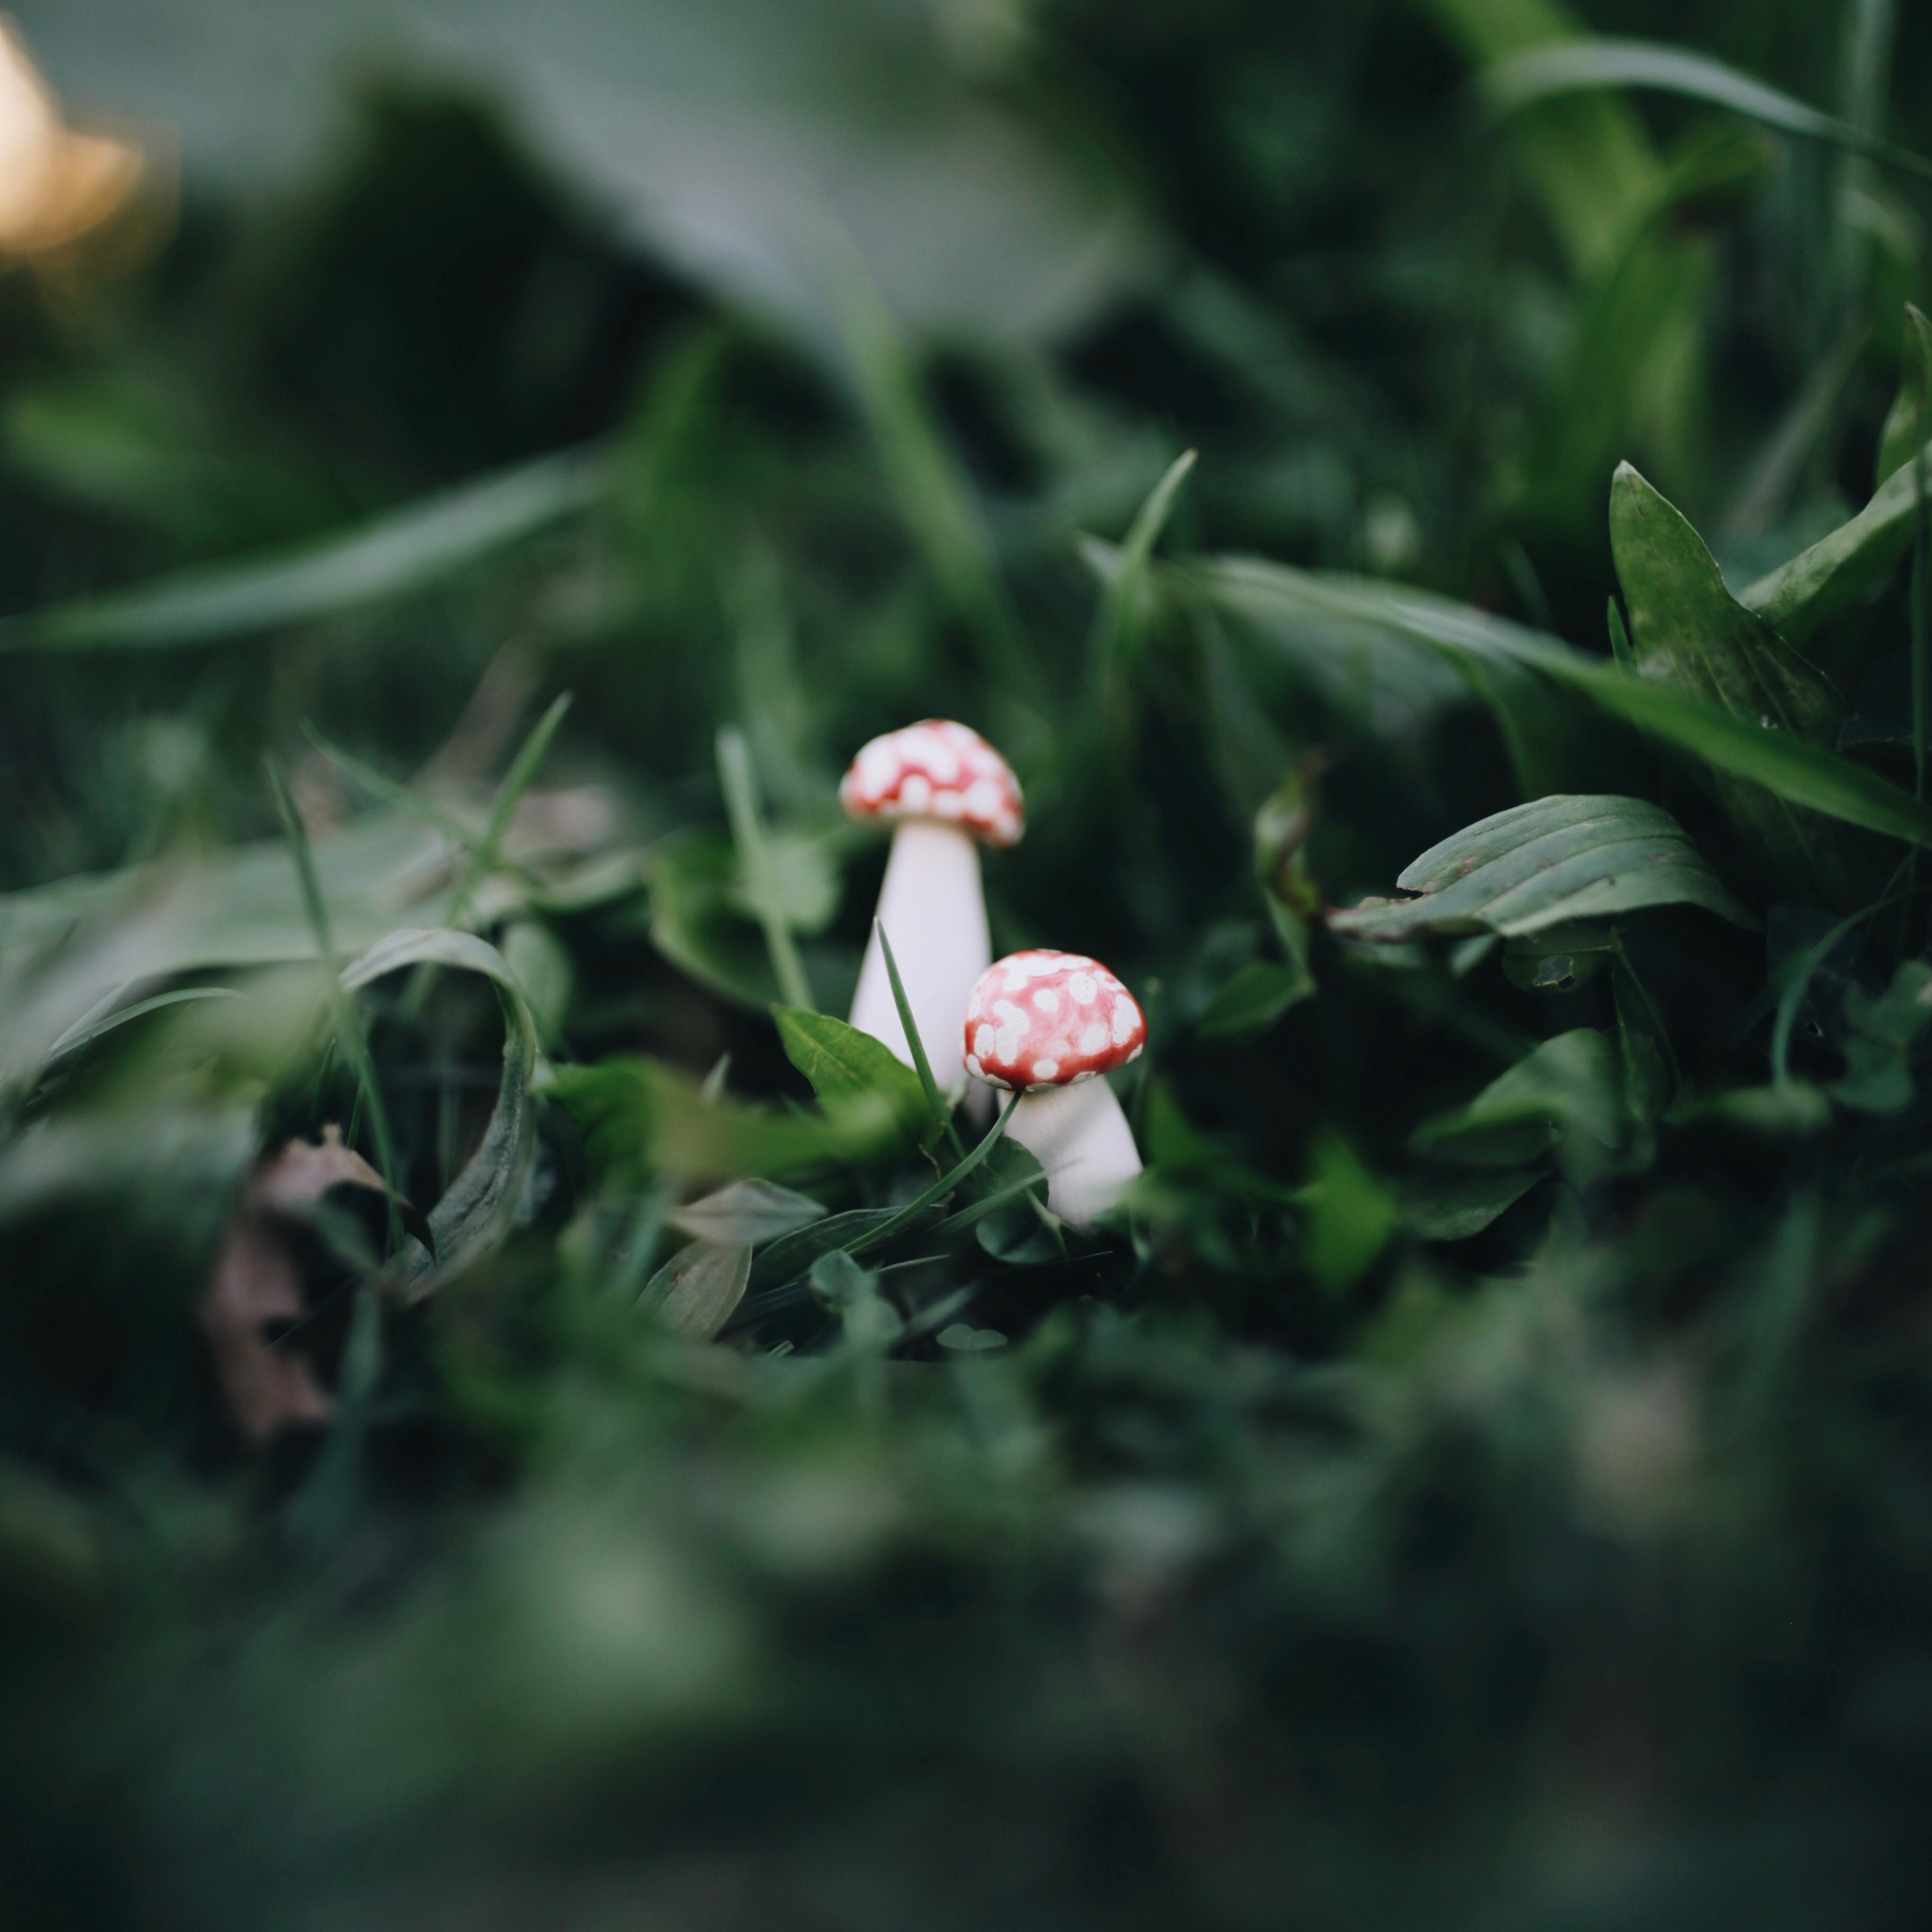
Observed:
{"x":1079,"y":1134}
{"x":933,"y":912}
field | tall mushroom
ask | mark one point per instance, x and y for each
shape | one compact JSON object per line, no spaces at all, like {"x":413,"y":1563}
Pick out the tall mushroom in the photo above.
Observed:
{"x":946,"y":792}
{"x":1047,"y":1025}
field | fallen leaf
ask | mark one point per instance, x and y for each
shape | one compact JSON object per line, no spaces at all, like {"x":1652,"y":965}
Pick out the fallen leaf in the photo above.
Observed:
{"x":259,"y":1286}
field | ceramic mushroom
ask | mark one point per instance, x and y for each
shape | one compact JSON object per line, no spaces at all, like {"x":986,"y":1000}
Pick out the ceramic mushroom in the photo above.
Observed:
{"x":946,"y":792}
{"x":1047,"y":1025}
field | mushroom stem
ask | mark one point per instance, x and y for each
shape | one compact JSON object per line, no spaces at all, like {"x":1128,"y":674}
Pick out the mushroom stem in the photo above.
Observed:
{"x":933,"y":912}
{"x":1079,"y":1134}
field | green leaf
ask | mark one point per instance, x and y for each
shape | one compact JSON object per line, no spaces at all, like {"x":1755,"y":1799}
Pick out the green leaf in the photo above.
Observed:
{"x":1687,"y":630}
{"x":1538,"y":867}
{"x":84,"y":1033}
{"x":1348,"y":1216}
{"x":1253,"y":999}
{"x":1906,"y":428}
{"x":791,"y":1255}
{"x":1840,"y":572}
{"x":921,"y":1066}
{"x":747,"y":1211}
{"x":1305,"y":606}
{"x":406,"y":550}
{"x":1544,"y":73}
{"x":644,"y":1118}
{"x":698,"y":1290}
{"x":845,"y":1065}
{"x":1643,"y":1046}
{"x":1567,"y":1097}
{"x":1455,"y":1211}
{"x":480,"y":1205}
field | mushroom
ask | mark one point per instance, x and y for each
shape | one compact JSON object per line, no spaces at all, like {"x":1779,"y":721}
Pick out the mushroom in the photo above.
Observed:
{"x":1047,"y":1025}
{"x":946,"y":792}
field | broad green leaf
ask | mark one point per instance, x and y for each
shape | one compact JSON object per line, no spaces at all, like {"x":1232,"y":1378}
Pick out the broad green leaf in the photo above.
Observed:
{"x":1688,"y":630}
{"x":698,"y":1291}
{"x":1455,"y":1211}
{"x":747,"y":1211}
{"x":643,"y":1117}
{"x":1537,"y":868}
{"x":1303,"y":603}
{"x":1566,"y":1097}
{"x":1546,"y":74}
{"x":1840,"y":572}
{"x":845,"y":1065}
{"x":406,"y":550}
{"x":1906,"y":428}
{"x":480,"y":1206}
{"x":1253,"y":999}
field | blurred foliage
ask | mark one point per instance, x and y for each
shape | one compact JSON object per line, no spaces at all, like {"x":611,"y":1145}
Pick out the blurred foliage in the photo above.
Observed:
{"x":1482,"y":1477}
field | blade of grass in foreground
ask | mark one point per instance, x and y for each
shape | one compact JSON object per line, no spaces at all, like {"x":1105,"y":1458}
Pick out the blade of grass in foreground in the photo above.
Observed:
{"x":1579,"y":66}
{"x":921,"y":1065}
{"x":943,"y":1186}
{"x":348,"y":1023}
{"x":405,"y":550}
{"x":754,"y":860}
{"x":1807,"y":775}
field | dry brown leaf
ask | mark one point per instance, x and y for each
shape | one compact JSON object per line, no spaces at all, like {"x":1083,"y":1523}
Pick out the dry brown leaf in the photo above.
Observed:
{"x":258,"y":1281}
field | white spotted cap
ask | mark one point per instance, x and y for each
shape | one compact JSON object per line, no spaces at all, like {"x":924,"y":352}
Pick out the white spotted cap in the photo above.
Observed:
{"x":941,"y":770}
{"x":1050,"y":1019}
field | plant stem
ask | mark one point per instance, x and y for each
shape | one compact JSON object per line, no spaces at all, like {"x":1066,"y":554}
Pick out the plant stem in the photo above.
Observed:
{"x":754,"y":861}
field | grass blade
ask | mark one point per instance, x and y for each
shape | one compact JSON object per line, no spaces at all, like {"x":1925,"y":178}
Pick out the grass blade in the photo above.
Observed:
{"x":522,"y":773}
{"x":943,"y":1186}
{"x":407,"y":550}
{"x":82,"y":1034}
{"x":1542,"y":73}
{"x":755,"y":859}
{"x":1805,"y":774}
{"x":1118,"y":628}
{"x":347,"y":1021}
{"x":921,"y":1065}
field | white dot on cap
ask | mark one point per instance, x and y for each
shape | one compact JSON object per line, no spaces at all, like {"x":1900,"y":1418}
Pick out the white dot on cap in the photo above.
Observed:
{"x":916,"y":792}
{"x":1135,"y":1055}
{"x":1094,"y":1039}
{"x":1083,"y":988}
{"x":983,"y":799}
{"x":1046,"y":1069}
{"x":973,"y":1066}
{"x":983,"y":1041}
{"x":1123,"y":1022}
{"x":1047,"y":1000}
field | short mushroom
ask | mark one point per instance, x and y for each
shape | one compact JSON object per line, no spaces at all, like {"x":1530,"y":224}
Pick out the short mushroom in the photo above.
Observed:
{"x":946,"y":792}
{"x":1047,"y":1025}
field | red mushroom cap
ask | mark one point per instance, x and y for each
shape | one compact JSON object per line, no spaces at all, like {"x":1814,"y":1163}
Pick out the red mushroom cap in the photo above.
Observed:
{"x":937,"y":769}
{"x":1050,"y":1019}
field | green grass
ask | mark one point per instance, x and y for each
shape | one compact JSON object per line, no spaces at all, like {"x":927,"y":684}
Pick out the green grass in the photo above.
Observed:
{"x":1482,"y":1476}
